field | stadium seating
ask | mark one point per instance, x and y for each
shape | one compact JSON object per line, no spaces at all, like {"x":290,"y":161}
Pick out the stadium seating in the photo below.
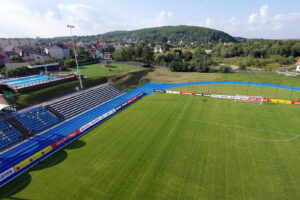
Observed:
{"x":8,"y":134}
{"x":36,"y":119}
{"x":77,"y":104}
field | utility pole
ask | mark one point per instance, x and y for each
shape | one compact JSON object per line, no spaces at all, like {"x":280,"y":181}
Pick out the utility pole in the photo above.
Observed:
{"x":78,"y":71}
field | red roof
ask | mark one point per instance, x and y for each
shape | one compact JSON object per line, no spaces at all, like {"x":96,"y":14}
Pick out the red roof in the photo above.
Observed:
{"x":102,"y":43}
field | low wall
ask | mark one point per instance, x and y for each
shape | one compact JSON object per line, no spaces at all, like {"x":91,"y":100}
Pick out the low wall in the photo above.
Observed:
{"x":240,"y":98}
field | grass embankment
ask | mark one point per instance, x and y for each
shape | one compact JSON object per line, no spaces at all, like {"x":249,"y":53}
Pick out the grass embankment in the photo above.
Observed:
{"x":176,"y":147}
{"x":273,"y":63}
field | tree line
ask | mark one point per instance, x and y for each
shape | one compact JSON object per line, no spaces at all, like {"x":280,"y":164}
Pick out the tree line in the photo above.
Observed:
{"x":261,"y":53}
{"x":176,"y":60}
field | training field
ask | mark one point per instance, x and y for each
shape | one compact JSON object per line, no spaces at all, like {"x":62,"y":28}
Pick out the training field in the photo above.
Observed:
{"x":178,"y":147}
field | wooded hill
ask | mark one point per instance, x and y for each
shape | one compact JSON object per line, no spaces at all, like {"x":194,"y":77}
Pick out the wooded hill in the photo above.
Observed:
{"x":174,"y":34}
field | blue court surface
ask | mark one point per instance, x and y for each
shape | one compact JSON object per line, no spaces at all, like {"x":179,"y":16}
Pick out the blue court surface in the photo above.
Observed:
{"x":22,"y":82}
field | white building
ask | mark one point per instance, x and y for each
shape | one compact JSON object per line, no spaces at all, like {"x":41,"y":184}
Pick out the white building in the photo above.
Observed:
{"x":159,"y":49}
{"x":59,"y":51}
{"x":298,"y":66}
{"x":208,"y":51}
{"x":96,"y":54}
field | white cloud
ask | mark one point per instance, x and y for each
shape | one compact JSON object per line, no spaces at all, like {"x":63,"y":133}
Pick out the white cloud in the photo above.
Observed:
{"x":25,"y":19}
{"x":252,"y":19}
{"x":49,"y":18}
{"x":163,"y":18}
{"x":262,"y":21}
{"x":209,"y":22}
{"x":259,"y":24}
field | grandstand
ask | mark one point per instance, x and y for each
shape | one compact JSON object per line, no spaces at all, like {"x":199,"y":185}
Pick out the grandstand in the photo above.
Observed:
{"x":36,"y":119}
{"x":8,"y":134}
{"x":75,"y":105}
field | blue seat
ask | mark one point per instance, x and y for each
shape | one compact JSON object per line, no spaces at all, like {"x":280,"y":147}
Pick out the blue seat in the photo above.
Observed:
{"x":36,"y":119}
{"x":8,"y":134}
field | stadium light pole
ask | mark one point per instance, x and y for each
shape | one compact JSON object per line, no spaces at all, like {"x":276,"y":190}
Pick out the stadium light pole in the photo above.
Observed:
{"x":78,"y":71}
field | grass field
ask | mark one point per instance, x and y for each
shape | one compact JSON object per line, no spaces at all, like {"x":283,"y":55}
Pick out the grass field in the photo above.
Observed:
{"x":176,"y":147}
{"x":98,"y":70}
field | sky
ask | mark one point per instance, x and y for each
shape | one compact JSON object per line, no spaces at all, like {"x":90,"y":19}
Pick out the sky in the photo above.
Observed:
{"x":270,"y":19}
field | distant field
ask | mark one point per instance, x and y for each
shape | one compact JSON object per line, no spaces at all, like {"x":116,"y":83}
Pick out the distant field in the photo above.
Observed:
{"x":177,"y":147}
{"x":98,"y":70}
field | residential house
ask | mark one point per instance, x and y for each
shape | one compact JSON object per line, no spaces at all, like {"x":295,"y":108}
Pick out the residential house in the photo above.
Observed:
{"x":11,"y":53}
{"x":29,"y":55}
{"x":298,"y":66}
{"x":59,"y":51}
{"x":95,"y":53}
{"x":39,"y":57}
{"x":178,"y":52}
{"x":208,"y":51}
{"x":102,"y":45}
{"x":112,"y":44}
{"x":82,"y":44}
{"x":107,"y":55}
{"x":160,"y":49}
{"x":119,"y":47}
{"x":4,"y":58}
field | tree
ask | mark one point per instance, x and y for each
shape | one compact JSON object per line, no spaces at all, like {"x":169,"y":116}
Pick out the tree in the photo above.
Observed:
{"x":224,"y":69}
{"x":82,"y":53}
{"x":51,"y":60}
{"x":159,"y":59}
{"x":147,"y":54}
{"x":16,"y":59}
{"x":138,"y":51}
{"x":169,"y":57}
{"x":119,"y":55}
{"x":69,"y":62}
{"x":187,"y":55}
{"x":201,"y":61}
{"x":179,"y":66}
{"x":2,"y":65}
{"x":18,"y":71}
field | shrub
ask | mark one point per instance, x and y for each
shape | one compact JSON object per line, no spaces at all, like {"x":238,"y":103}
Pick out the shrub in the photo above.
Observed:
{"x":2,"y":66}
{"x":224,"y":69}
{"x":69,"y":62}
{"x":18,"y":71}
{"x":16,"y":59}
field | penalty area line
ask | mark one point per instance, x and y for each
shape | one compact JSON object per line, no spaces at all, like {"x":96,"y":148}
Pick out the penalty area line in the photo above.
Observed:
{"x":230,"y":128}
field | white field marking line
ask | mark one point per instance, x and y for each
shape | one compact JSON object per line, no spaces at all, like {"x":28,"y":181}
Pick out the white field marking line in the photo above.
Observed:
{"x":262,"y":139}
{"x":258,"y":138}
{"x":241,"y":127}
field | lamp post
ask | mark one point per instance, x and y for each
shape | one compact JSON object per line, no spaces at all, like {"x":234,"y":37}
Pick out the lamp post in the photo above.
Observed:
{"x":78,"y":71}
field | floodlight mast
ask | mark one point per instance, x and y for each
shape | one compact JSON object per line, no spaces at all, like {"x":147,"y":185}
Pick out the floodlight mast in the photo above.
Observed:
{"x":78,"y":71}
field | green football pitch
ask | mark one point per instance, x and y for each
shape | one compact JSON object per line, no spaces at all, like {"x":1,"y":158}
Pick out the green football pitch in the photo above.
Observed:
{"x":178,"y":147}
